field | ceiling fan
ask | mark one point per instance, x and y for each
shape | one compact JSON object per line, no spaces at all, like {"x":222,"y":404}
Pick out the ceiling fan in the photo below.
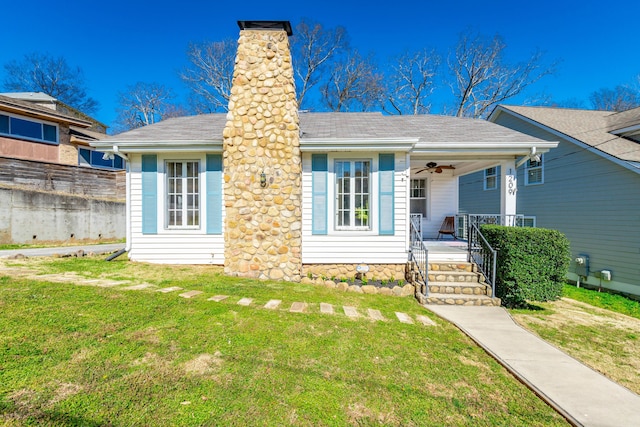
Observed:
{"x":433,"y":167}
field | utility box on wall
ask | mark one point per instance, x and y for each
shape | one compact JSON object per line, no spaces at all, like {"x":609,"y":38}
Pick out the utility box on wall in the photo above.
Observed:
{"x":582,"y":265}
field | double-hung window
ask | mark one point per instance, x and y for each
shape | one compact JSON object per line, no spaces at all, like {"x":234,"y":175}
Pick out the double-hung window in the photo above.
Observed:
{"x":183,"y":197}
{"x":534,"y":172}
{"x":353,"y":194}
{"x":419,"y":197}
{"x":491,"y":178}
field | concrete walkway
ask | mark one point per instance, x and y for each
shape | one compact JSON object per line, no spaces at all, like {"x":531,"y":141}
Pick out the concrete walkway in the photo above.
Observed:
{"x":63,"y":250}
{"x":582,"y":395}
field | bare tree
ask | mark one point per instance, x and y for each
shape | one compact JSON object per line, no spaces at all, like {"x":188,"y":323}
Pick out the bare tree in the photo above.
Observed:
{"x":313,"y":49}
{"x":210,"y":74}
{"x":353,"y":84}
{"x":482,"y":79}
{"x":144,"y":104}
{"x":38,"y":72}
{"x":621,"y":98}
{"x":411,"y":82}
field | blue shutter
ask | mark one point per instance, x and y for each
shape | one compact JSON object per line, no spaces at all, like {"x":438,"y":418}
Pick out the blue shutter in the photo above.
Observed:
{"x":319,"y":193}
{"x":386,"y":166}
{"x":149,"y":194}
{"x":214,"y":194}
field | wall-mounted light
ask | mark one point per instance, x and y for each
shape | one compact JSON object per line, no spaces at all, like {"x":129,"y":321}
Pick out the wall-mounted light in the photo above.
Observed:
{"x":263,"y":180}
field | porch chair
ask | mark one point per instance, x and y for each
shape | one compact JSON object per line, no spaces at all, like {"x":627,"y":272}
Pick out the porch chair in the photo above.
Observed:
{"x":448,"y":227}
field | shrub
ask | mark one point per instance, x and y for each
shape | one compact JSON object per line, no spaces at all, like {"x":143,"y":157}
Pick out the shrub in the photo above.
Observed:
{"x":532,"y":263}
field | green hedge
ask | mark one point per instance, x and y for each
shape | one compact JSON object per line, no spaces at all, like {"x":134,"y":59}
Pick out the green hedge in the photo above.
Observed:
{"x":532,"y":263}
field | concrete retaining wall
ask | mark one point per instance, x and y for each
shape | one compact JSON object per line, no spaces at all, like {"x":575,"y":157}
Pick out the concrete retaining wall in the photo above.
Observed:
{"x":30,"y":216}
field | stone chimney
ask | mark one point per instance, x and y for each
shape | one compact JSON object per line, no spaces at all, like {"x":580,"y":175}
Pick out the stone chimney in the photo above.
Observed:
{"x":262,"y":162}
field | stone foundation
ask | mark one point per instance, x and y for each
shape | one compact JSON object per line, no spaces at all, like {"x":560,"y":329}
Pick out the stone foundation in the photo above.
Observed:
{"x":348,"y":271}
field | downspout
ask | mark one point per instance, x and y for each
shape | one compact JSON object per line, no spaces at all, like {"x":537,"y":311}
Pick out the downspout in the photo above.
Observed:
{"x":530,"y":156}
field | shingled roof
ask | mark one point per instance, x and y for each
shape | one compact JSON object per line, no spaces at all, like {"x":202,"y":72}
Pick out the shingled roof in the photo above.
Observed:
{"x":594,"y":128}
{"x":337,"y":126}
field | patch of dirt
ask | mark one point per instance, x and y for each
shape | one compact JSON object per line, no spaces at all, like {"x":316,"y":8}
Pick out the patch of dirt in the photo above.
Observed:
{"x":204,"y":364}
{"x":64,"y":391}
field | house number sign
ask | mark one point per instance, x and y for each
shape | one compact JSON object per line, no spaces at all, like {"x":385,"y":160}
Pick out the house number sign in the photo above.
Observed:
{"x":511,"y":183}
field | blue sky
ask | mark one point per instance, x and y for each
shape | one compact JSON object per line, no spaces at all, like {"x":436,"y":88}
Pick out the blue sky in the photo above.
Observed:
{"x":120,"y":42}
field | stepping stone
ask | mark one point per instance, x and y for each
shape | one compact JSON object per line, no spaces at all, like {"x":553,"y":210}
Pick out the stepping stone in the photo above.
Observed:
{"x":298,"y":307}
{"x":138,"y":287}
{"x":218,"y":298}
{"x":375,"y":314}
{"x":245,"y":301}
{"x":112,"y":283}
{"x":404,"y":318}
{"x":326,"y":308}
{"x":191,"y":294}
{"x":350,"y":311}
{"x":170,"y":289}
{"x":273,"y":304}
{"x":425,"y":320}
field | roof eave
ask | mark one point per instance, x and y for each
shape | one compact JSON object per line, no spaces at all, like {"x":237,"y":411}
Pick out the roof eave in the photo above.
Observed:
{"x":167,"y":146}
{"x":320,"y":145}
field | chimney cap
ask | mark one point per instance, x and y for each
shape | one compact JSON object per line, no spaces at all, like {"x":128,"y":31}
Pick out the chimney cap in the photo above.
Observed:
{"x":266,"y":25}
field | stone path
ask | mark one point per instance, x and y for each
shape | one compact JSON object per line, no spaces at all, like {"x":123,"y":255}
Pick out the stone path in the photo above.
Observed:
{"x":295,"y":307}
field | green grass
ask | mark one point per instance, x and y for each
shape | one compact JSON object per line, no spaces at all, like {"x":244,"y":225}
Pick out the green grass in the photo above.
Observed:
{"x":618,"y":303}
{"x":82,"y":355}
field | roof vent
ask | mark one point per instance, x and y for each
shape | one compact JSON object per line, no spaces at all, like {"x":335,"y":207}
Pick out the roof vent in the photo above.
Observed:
{"x":266,"y":25}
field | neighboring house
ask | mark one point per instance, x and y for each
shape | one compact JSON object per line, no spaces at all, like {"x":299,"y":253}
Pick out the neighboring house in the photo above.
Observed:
{"x":53,"y":185}
{"x":269,"y":192}
{"x":588,"y":188}
{"x":36,"y":126}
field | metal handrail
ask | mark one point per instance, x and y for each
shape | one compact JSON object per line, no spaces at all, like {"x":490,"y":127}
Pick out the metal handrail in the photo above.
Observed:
{"x":418,"y":253}
{"x":483,"y":255}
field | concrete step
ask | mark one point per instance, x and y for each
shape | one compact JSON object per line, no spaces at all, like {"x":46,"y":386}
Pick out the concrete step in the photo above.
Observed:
{"x":452,"y":266}
{"x":459,"y":288}
{"x":458,"y":299}
{"x":455,"y":276}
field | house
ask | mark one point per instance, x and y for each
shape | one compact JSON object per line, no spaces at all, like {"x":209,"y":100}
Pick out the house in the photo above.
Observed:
{"x":588,"y":188}
{"x":36,"y":126}
{"x":273,"y":193}
{"x":53,"y":185}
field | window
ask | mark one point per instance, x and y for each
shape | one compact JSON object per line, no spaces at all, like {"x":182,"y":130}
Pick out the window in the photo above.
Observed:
{"x":183,"y":204}
{"x":353,"y":192}
{"x":491,"y":178}
{"x":419,"y":197}
{"x":98,"y":159}
{"x":534,"y":173}
{"x":29,"y":129}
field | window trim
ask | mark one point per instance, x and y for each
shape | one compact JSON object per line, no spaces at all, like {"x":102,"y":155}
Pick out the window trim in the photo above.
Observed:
{"x":165,"y":194}
{"x":370,"y":196}
{"x":528,"y":167}
{"x":42,"y":123}
{"x":487,"y":176}
{"x":424,"y":198}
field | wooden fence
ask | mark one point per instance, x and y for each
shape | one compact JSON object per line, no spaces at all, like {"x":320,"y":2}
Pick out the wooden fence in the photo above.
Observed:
{"x":77,"y":180}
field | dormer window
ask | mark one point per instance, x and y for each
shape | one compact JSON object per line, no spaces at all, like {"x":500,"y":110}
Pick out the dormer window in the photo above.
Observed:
{"x":30,"y":129}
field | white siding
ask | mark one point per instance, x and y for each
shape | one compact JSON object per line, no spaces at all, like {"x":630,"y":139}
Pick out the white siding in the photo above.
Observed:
{"x":170,"y":246}
{"x":442,"y":194}
{"x":356,"y":246}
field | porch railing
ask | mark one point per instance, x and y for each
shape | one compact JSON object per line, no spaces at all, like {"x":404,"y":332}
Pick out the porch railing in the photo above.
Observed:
{"x":419,"y":254}
{"x":465,"y":221}
{"x":483,"y":255}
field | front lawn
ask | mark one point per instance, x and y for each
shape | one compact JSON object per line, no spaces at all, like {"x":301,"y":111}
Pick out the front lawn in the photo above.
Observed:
{"x":72,"y":353}
{"x":601,"y":330}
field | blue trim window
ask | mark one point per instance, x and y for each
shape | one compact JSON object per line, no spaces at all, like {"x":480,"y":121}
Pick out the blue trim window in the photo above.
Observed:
{"x":491,"y":178}
{"x":99,"y":159}
{"x":353,"y":193}
{"x":28,"y":129}
{"x":534,"y":172}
